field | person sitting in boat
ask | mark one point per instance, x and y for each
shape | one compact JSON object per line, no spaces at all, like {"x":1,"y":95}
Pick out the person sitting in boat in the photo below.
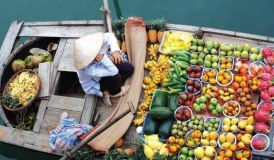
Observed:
{"x":101,"y":66}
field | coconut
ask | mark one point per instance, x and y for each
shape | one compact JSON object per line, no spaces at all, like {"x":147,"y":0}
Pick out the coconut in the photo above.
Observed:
{"x":18,"y":65}
{"x":28,"y":61}
{"x":36,"y":59}
{"x":48,"y":58}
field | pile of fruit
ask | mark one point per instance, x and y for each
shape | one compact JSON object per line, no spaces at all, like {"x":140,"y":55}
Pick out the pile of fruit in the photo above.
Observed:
{"x":210,"y":109}
{"x":21,"y":90}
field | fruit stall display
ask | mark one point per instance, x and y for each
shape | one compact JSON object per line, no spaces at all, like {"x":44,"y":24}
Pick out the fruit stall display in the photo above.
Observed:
{"x":212,"y":100}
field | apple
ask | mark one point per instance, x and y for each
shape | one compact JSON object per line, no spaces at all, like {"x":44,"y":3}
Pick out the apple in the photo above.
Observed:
{"x":253,"y":57}
{"x":260,"y":57}
{"x":214,"y":65}
{"x":194,"y":48}
{"x":244,"y":54}
{"x":206,"y":50}
{"x":222,"y":53}
{"x":216,"y":45}
{"x":237,"y":54}
{"x":207,"y":64}
{"x":239,"y":47}
{"x":201,"y":42}
{"x":229,"y":53}
{"x":214,"y":58}
{"x":208,"y":58}
{"x":246,"y":47}
{"x":213,"y":51}
{"x":200,"y":48}
{"x":209,"y":45}
{"x":254,"y":50}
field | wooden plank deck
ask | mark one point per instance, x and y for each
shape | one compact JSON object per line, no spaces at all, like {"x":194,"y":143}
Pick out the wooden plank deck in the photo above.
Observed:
{"x":66,"y":61}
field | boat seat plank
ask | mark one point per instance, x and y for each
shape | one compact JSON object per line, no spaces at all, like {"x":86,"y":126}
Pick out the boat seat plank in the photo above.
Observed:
{"x":60,"y":30}
{"x":89,"y":109}
{"x":24,"y":138}
{"x":66,"y":62}
{"x":9,"y":41}
{"x":40,"y":116}
{"x":52,"y":118}
{"x":64,"y":23}
{"x":66,"y":103}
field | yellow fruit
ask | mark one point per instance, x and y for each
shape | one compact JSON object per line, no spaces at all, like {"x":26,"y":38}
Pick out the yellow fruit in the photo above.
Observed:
{"x":213,"y":135}
{"x":241,"y":145}
{"x":222,"y":138}
{"x":248,"y":135}
{"x":226,"y":145}
{"x":226,"y":121}
{"x":233,"y":147}
{"x":228,"y":153}
{"x":250,"y":120}
{"x":148,"y":152}
{"x":226,"y":128}
{"x":205,"y":134}
{"x":213,"y":143}
{"x":249,"y":128}
{"x":233,"y":128}
{"x":163,"y":150}
{"x":230,"y":137}
{"x":199,"y":152}
{"x":219,"y":158}
{"x":242,"y":124}
{"x":204,"y":142}
{"x":245,"y":140}
{"x":234,"y":120}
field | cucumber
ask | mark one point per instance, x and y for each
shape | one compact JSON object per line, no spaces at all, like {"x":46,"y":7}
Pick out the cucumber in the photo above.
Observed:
{"x":172,"y":101}
{"x":182,"y":53}
{"x":182,"y":64}
{"x":185,"y":59}
{"x":173,"y":91}
{"x":165,"y":128}
{"x":183,"y":80}
{"x":160,"y":113}
{"x":151,"y":126}
{"x":171,"y":63}
{"x":177,"y":70}
{"x":169,"y":84}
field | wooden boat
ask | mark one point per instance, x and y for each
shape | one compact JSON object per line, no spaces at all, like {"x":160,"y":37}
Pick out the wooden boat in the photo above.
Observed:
{"x":70,"y":98}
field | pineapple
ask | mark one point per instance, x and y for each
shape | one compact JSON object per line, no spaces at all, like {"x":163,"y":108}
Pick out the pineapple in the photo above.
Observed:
{"x":152,"y":32}
{"x":160,"y":26}
{"x":123,"y":45}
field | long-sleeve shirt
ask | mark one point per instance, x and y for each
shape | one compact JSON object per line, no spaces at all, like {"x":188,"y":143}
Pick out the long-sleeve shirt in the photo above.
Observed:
{"x":90,"y":76}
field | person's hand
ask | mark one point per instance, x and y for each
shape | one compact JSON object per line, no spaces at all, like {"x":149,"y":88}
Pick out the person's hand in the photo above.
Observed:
{"x":99,"y":57}
{"x":116,"y":57}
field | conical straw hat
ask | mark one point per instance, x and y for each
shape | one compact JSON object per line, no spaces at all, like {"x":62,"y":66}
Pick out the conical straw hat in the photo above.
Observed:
{"x":86,"y":49}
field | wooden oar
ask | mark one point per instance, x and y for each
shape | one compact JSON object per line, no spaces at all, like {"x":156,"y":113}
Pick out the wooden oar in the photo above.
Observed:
{"x":71,"y":153}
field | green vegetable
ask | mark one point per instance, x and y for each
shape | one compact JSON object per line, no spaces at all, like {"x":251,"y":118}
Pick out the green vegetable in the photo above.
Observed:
{"x":160,"y":113}
{"x":171,"y":63}
{"x":182,"y":64}
{"x":169,"y":84}
{"x":182,"y":53}
{"x":177,"y":70}
{"x":175,"y":91}
{"x":165,"y":128}
{"x":172,"y":101}
{"x":183,"y":80}
{"x":185,"y":59}
{"x":151,"y":126}
{"x":159,"y":98}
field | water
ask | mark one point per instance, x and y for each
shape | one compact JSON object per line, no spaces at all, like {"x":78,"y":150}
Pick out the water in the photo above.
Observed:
{"x":245,"y":16}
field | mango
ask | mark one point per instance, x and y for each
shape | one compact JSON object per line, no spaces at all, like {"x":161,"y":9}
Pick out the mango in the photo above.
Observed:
{"x":230,"y":137}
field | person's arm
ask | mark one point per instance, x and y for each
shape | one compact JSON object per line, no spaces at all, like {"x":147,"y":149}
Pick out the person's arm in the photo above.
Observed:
{"x":115,"y":55}
{"x":106,"y":69}
{"x":112,"y":42}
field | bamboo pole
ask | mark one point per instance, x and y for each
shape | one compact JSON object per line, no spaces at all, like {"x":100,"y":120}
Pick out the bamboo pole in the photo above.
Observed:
{"x":106,"y":14}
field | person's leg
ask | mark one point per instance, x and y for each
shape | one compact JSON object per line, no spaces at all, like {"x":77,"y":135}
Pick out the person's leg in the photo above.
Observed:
{"x":112,"y":84}
{"x":126,"y":70}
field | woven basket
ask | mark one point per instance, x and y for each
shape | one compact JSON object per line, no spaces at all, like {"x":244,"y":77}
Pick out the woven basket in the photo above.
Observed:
{"x":6,"y":89}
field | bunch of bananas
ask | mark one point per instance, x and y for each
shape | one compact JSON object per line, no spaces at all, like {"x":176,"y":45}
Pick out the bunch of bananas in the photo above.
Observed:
{"x":152,"y":51}
{"x":158,"y":69}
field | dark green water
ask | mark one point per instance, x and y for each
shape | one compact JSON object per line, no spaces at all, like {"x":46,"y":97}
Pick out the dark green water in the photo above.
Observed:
{"x":246,"y":16}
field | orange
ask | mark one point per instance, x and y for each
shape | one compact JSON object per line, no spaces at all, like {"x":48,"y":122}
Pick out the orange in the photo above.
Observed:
{"x":190,"y":143}
{"x":244,"y":78}
{"x":222,"y":66}
{"x":213,"y":135}
{"x":243,"y":84}
{"x":205,"y":78}
{"x":236,"y":85}
{"x":220,"y":78}
{"x":229,"y":60}
{"x":228,"y":153}
{"x":221,"y":72}
{"x":227,"y":77}
{"x":212,"y":80}
{"x":238,"y":79}
{"x":213,"y":72}
{"x":223,"y":60}
{"x":224,"y":81}
{"x":233,"y":147}
{"x":228,"y":66}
